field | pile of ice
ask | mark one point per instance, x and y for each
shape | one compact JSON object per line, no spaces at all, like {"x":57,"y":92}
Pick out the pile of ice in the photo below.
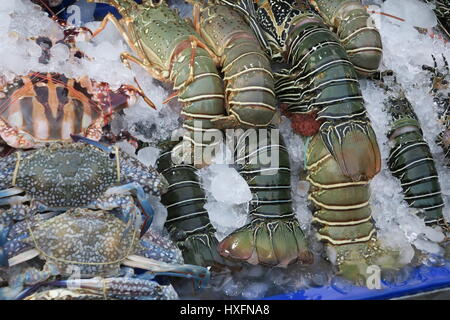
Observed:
{"x":405,"y":50}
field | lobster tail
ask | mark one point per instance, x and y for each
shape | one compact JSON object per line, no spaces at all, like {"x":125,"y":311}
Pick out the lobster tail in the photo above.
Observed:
{"x":412,"y":162}
{"x":249,"y":84}
{"x":203,"y":100}
{"x":354,"y":146}
{"x":323,"y":80}
{"x":353,"y":25}
{"x":342,"y":213}
{"x":273,"y":237}
{"x":187,"y":220}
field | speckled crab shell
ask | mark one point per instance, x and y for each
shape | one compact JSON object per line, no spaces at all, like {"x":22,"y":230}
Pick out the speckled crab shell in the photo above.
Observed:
{"x":91,"y":242}
{"x":67,"y":175}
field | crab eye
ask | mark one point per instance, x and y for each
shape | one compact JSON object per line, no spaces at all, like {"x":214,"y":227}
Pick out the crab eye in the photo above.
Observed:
{"x":112,"y":155}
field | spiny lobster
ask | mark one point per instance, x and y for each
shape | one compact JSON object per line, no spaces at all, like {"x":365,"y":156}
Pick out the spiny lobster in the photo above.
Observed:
{"x":171,"y":51}
{"x":273,"y":237}
{"x":249,"y":85}
{"x":352,"y":23}
{"x":321,"y":80}
{"x":410,"y":158}
{"x":344,"y":155}
{"x":188,"y":221}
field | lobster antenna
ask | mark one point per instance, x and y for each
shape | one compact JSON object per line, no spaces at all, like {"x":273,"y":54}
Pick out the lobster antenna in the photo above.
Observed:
{"x":144,"y":96}
{"x":385,"y":14}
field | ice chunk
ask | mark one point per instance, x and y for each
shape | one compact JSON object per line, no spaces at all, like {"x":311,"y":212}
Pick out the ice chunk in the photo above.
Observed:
{"x":414,"y":12}
{"x":148,"y":155}
{"x":228,"y":186}
{"x":127,"y":147}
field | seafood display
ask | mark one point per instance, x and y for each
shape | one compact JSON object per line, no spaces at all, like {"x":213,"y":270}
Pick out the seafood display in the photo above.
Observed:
{"x":277,"y":154}
{"x":273,"y":237}
{"x":320,"y":80}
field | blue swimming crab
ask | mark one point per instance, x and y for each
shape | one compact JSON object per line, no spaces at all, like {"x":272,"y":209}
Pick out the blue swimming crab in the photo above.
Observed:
{"x":71,"y":175}
{"x":87,"y":249}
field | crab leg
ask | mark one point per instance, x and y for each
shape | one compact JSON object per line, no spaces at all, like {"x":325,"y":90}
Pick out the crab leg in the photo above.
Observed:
{"x":10,"y":192}
{"x":4,"y":231}
{"x":122,"y":288}
{"x":12,"y":200}
{"x":139,"y":192}
{"x":200,"y":275}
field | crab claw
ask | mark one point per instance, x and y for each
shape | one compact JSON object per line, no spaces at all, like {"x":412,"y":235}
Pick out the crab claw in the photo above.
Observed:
{"x":272,"y":242}
{"x":354,"y":146}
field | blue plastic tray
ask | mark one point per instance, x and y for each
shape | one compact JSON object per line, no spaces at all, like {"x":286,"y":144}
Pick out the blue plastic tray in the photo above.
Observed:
{"x":421,"y":280}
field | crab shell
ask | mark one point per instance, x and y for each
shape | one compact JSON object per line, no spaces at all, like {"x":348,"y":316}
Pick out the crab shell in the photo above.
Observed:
{"x":66,"y":175}
{"x":90,"y":243}
{"x":48,"y":107}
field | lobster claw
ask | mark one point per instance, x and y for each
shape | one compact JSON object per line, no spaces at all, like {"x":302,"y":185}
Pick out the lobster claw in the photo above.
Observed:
{"x":354,"y":146}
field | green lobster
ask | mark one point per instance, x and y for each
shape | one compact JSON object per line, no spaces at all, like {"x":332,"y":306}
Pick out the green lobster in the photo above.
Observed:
{"x":342,"y":213}
{"x":344,"y":155}
{"x":410,"y":159}
{"x":350,"y":20}
{"x":273,"y":237}
{"x":187,"y":220}
{"x":249,"y":84}
{"x":171,"y":51}
{"x":320,"y":80}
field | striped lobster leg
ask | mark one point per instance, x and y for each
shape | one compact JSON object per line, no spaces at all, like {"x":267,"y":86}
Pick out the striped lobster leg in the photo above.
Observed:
{"x":273,"y":237}
{"x":351,"y":22}
{"x":343,"y":215}
{"x":411,"y":161}
{"x":249,"y":85}
{"x":323,"y":80}
{"x":188,"y":221}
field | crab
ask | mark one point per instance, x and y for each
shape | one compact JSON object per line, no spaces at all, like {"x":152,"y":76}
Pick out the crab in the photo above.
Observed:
{"x":89,"y":247}
{"x":49,"y":107}
{"x":71,"y":175}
